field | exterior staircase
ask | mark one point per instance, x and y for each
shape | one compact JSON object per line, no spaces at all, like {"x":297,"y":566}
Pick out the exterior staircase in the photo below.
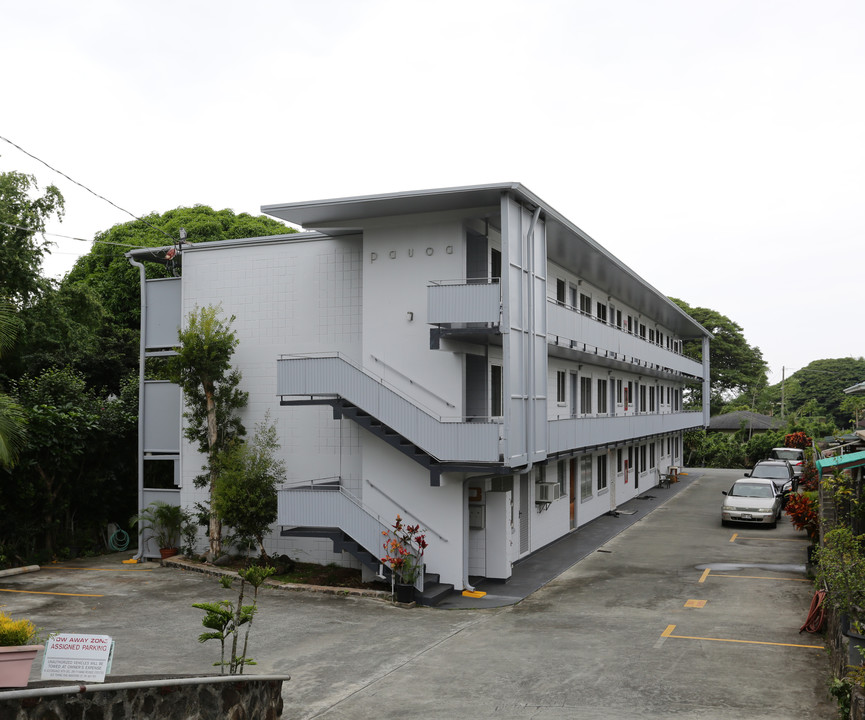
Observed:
{"x":433,"y":590}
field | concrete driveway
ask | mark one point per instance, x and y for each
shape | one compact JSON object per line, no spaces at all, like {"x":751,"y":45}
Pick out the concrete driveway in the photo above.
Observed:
{"x":675,"y":616}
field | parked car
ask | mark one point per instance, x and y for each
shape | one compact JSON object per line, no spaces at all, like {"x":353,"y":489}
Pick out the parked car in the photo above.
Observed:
{"x":752,"y":500}
{"x":796,"y":457}
{"x":778,"y":471}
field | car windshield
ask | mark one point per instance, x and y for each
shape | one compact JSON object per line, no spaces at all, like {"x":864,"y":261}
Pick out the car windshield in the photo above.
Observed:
{"x":758,"y":490}
{"x":771,"y":471}
{"x":787,"y":454}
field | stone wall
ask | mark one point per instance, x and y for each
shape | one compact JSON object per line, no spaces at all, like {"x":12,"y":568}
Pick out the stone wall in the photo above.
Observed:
{"x":233,"y":697}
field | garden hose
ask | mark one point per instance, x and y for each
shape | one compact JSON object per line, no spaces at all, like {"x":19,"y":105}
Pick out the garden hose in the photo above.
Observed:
{"x":119,"y":541}
{"x":816,"y":613}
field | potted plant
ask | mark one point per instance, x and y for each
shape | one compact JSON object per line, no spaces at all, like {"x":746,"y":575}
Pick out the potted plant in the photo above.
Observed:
{"x":166,"y":522}
{"x":18,"y":649}
{"x":404,"y":547}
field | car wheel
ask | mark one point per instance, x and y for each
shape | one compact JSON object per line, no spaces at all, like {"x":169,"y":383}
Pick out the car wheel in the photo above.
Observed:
{"x":773,"y":525}
{"x":724,"y":523}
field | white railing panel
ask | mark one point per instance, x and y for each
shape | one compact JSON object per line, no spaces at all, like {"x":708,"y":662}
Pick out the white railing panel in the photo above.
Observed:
{"x":464,"y":303}
{"x":574,"y":433}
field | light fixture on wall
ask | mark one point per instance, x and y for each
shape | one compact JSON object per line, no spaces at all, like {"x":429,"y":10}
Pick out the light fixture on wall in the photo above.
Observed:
{"x":410,"y":316}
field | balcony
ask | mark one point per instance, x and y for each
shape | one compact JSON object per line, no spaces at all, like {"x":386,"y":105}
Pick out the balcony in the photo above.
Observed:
{"x":586,"y":432}
{"x":585,"y":333}
{"x":459,"y":302}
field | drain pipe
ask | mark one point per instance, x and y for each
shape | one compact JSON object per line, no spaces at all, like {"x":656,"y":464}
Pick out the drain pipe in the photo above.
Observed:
{"x":530,"y":379}
{"x":142,"y":343}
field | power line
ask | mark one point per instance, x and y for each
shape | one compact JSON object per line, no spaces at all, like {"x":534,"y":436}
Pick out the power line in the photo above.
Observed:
{"x":69,"y":237}
{"x":53,"y":169}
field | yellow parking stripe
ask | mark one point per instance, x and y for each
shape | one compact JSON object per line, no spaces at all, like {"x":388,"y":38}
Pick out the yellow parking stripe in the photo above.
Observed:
{"x":736,"y":536}
{"x":704,"y":575}
{"x":38,"y":592}
{"x":668,"y":633}
{"x":102,"y":569}
{"x":761,"y":577}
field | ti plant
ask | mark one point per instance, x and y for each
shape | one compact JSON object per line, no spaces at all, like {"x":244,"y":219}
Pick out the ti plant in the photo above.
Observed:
{"x":223,"y":619}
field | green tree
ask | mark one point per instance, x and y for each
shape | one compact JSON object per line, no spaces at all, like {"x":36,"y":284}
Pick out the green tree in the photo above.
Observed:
{"x":735,"y":367}
{"x":203,"y":370}
{"x":74,"y":472}
{"x":116,"y":283}
{"x":853,"y":406}
{"x":245,"y":493}
{"x":22,"y":217}
{"x":11,"y":414}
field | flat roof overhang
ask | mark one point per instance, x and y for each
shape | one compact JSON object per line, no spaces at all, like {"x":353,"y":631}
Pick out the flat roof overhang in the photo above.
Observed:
{"x":567,"y":245}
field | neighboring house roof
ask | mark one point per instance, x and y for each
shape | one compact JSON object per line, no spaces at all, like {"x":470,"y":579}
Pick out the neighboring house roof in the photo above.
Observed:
{"x":566,"y":243}
{"x":751,"y":421}
{"x":857,"y":389}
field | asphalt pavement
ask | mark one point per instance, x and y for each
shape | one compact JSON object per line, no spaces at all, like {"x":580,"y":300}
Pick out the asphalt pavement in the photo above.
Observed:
{"x":664,"y":614}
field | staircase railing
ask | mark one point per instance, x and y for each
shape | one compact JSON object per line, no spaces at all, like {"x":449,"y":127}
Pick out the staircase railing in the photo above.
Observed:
{"x":335,"y":376}
{"x":334,"y":506}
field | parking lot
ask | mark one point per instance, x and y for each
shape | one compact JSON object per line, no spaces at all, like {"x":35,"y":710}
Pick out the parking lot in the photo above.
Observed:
{"x":676,"y":616}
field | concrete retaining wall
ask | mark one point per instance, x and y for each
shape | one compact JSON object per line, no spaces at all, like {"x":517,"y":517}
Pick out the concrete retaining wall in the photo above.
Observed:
{"x":234,"y":697}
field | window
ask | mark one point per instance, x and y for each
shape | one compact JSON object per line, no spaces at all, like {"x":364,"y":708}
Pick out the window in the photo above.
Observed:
{"x":629,"y":395}
{"x":602,"y":397}
{"x":643,"y":457}
{"x":676,"y":400}
{"x":619,"y":460}
{"x":585,"y":304}
{"x":585,"y":395}
{"x":561,"y":383}
{"x":651,"y":455}
{"x":602,"y":472}
{"x":601,"y":311}
{"x":496,"y":409}
{"x":619,"y":319}
{"x":562,"y":471}
{"x":619,"y":392}
{"x":642,"y":407}
{"x":642,"y":331}
{"x":495,"y":264}
{"x":586,"y":477}
{"x":651,"y":335}
{"x":652,"y":399}
{"x":560,"y":291}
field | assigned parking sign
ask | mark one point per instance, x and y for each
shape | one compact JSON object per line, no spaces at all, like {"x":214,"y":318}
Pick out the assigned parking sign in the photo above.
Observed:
{"x":77,"y":656}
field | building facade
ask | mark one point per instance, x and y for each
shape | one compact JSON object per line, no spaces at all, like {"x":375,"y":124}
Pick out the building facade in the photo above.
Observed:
{"x":466,"y":358}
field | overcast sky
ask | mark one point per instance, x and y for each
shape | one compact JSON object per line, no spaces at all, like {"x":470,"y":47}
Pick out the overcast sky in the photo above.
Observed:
{"x":717,"y":148}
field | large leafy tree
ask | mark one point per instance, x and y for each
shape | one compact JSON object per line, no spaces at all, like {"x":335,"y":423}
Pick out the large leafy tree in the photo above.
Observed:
{"x":23,"y":213}
{"x":106,"y":271}
{"x":212,"y":395}
{"x":736,"y":368}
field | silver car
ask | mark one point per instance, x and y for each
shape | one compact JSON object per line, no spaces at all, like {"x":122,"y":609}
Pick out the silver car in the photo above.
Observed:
{"x":795,"y":456}
{"x":752,"y":500}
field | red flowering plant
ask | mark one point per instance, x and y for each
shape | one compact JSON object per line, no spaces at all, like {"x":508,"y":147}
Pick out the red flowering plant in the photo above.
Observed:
{"x":404,"y":548}
{"x":804,"y":513}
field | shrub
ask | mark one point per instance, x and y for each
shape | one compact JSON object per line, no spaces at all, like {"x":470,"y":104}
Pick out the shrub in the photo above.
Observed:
{"x":803,"y":510}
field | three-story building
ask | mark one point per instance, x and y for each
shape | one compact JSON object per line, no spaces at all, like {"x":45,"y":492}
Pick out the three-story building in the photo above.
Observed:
{"x":467,"y":358}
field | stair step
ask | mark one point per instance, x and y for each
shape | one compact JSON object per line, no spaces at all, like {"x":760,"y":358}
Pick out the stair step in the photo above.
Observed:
{"x":434,"y":593}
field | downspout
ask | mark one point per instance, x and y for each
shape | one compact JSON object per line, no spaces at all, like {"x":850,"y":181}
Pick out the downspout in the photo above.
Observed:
{"x":530,"y":415}
{"x":142,"y":343}
{"x":707,"y":384}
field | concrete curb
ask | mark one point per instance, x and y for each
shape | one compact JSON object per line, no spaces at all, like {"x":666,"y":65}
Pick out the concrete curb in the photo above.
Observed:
{"x":184,"y":564}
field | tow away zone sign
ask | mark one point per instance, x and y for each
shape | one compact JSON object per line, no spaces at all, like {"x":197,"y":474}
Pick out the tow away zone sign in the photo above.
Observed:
{"x":77,"y":656}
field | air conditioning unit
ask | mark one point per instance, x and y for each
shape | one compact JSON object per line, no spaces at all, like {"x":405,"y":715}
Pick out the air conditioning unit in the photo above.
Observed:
{"x":547,"y":492}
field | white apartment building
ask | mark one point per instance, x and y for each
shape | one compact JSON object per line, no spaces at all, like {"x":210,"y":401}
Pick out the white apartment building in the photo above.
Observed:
{"x":465,"y":357}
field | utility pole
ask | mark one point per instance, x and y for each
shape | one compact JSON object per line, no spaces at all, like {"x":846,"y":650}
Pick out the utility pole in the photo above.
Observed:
{"x":782,"y":393}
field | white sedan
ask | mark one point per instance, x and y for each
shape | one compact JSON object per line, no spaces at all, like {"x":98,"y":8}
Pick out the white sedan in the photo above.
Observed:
{"x":752,"y":500}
